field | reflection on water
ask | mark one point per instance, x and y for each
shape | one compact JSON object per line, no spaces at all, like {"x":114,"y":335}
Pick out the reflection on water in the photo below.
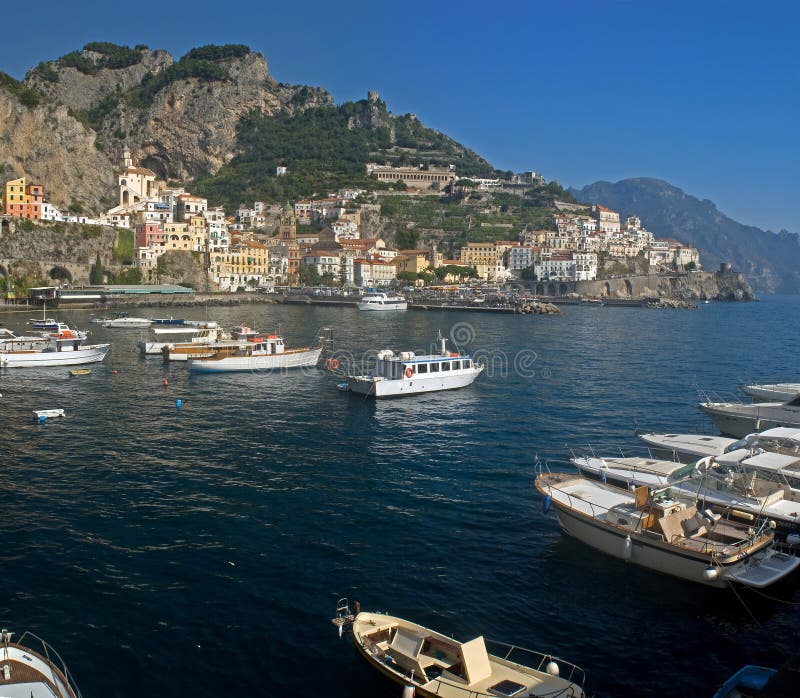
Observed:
{"x":200,"y":550}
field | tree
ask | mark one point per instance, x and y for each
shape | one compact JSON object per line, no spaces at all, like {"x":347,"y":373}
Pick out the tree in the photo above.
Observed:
{"x":407,"y":276}
{"x":96,"y":272}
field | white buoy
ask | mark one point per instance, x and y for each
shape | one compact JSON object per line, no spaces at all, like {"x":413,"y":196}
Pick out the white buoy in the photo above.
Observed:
{"x":552,"y":668}
{"x":408,"y":691}
{"x":793,"y":539}
{"x":710,"y":573}
{"x":627,"y":549}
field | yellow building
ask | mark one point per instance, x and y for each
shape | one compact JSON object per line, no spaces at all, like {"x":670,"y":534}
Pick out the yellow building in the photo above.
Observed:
{"x":488,"y":258}
{"x":198,"y":232}
{"x":414,"y":261}
{"x":177,"y":237}
{"x":245,"y":264}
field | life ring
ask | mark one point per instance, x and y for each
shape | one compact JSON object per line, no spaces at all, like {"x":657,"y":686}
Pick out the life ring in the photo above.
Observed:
{"x":332,"y":364}
{"x":409,"y":372}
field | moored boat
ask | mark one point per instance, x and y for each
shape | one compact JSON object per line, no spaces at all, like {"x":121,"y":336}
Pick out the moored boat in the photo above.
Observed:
{"x":31,"y":668}
{"x":739,"y":419}
{"x":663,"y":532}
{"x":408,"y":373}
{"x":771,"y":392}
{"x":79,"y":372}
{"x":749,"y":682}
{"x":44,"y":351}
{"x":434,"y":664}
{"x":125,"y":322}
{"x":382,"y":301}
{"x":256,"y":354}
{"x":687,"y":447}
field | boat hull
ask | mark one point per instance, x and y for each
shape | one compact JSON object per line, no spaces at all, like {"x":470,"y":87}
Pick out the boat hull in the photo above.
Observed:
{"x":739,"y":423}
{"x":364,"y":385}
{"x":268,"y":362}
{"x":383,"y":307}
{"x":772,"y":392}
{"x":85,"y":355}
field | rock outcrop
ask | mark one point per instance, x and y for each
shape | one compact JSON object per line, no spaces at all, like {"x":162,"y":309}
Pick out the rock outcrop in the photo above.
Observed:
{"x":49,"y":146}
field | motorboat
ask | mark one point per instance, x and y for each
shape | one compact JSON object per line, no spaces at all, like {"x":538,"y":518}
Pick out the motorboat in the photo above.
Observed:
{"x":771,"y":392}
{"x":664,"y":532}
{"x":29,"y":352}
{"x":204,"y":344}
{"x":256,"y":354}
{"x":167,"y":339}
{"x":739,"y":419}
{"x":687,"y":447}
{"x":749,"y":682}
{"x":408,"y":373}
{"x":43,"y":324}
{"x":431,"y":664}
{"x":41,"y":415}
{"x":744,"y":485}
{"x":126,"y":322}
{"x":382,"y":301}
{"x":75,"y":372}
{"x":31,"y":667}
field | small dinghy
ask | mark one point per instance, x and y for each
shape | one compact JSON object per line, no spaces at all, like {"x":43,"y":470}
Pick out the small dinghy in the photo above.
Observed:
{"x":80,"y":372}
{"x":41,"y":415}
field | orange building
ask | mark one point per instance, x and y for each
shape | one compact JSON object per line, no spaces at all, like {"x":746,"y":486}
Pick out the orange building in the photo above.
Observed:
{"x":24,"y":200}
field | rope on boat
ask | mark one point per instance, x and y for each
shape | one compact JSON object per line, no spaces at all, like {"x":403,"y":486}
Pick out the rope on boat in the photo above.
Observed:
{"x":741,"y":601}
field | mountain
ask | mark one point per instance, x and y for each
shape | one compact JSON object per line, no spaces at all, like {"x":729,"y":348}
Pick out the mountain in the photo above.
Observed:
{"x":770,"y":261}
{"x":216,"y":111}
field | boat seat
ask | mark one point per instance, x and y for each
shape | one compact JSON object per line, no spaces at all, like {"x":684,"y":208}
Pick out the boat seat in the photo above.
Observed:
{"x":693,"y":527}
{"x":670,"y":527}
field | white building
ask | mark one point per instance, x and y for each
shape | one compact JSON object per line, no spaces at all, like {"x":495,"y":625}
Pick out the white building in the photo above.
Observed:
{"x":373,"y":272}
{"x":556,"y":268}
{"x":519,"y":258}
{"x":585,"y":266}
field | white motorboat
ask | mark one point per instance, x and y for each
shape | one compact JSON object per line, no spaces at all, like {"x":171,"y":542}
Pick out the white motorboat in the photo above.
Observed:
{"x":435,"y":665}
{"x":159,"y":344}
{"x":743,"y":485}
{"x":664,"y":532}
{"x":687,"y":447}
{"x":41,"y":415}
{"x":256,"y":354}
{"x":382,"y":301}
{"x":129,"y":323}
{"x":207,"y":343}
{"x":771,"y":392}
{"x":408,"y":373}
{"x":32,"y":668}
{"x":30,"y":352}
{"x":739,"y":419}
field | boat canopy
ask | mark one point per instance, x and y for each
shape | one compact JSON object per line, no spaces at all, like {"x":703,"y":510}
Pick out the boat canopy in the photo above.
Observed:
{"x":772,"y":461}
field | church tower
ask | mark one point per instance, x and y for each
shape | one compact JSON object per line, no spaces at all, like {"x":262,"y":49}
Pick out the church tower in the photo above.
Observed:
{"x":287,"y":229}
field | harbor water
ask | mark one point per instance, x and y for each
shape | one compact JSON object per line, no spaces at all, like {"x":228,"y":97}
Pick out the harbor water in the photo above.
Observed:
{"x":200,"y":549}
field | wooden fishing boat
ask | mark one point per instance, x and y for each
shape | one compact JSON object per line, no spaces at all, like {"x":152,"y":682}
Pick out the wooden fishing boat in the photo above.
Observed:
{"x":431,"y":664}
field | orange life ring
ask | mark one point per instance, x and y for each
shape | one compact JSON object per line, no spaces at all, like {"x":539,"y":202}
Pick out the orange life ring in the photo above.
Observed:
{"x":409,"y":372}
{"x":332,"y":364}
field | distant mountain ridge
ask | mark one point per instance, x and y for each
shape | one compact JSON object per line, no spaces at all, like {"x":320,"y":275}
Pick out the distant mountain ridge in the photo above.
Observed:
{"x":770,"y":261}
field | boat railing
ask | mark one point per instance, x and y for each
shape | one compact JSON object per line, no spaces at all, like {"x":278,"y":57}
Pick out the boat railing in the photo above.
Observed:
{"x":505,"y":651}
{"x":707,"y":546}
{"x":616,"y":451}
{"x":51,"y":656}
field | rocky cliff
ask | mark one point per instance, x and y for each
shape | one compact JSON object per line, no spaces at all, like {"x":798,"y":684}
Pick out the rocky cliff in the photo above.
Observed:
{"x":49,"y":146}
{"x":179,"y":118}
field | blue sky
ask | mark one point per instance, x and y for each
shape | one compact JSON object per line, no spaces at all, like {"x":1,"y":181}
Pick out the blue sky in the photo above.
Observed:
{"x":704,"y":94}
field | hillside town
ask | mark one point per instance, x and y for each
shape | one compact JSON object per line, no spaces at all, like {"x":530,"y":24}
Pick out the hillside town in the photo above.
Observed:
{"x":323,"y":240}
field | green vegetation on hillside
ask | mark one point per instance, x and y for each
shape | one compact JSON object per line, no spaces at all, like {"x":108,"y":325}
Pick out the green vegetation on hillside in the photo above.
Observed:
{"x":212,"y":52}
{"x":112,"y":56}
{"x":152,"y":83}
{"x":325,"y":148}
{"x":26,"y":95}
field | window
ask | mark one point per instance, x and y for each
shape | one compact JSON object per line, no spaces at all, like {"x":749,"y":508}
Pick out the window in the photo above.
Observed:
{"x":422,"y":368}
{"x":468,"y":363}
{"x":434,"y":368}
{"x":445,"y":365}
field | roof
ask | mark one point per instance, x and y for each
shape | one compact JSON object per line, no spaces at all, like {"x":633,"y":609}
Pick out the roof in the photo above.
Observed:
{"x":140,"y":171}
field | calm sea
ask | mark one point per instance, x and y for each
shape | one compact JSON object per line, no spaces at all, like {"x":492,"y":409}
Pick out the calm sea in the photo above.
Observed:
{"x":200,"y":551}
